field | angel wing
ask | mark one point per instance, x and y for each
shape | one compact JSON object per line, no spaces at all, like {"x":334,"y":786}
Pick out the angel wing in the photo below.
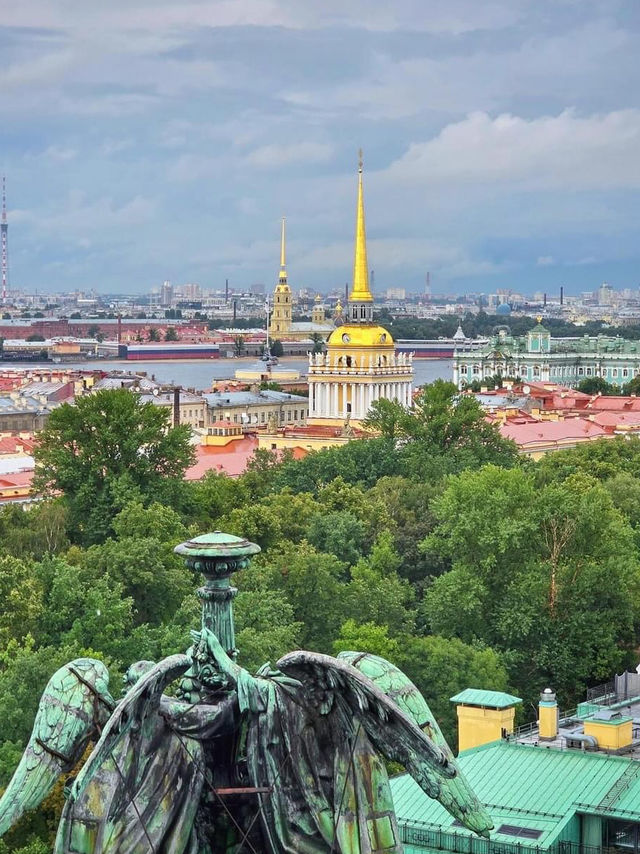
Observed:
{"x":455,"y":795}
{"x":329,"y":682}
{"x":140,"y":703}
{"x":139,"y":788}
{"x":74,"y":706}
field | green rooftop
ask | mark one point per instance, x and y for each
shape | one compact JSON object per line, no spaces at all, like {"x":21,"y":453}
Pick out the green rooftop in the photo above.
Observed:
{"x":490,"y":699}
{"x":524,"y":786}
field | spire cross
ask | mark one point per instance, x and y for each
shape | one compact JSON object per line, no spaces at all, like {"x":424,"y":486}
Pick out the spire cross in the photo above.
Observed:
{"x":360,"y":160}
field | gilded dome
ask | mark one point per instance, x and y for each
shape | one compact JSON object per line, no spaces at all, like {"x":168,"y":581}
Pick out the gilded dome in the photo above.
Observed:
{"x":360,"y":335}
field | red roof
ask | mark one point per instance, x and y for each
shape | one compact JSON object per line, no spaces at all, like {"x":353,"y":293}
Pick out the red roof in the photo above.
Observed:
{"x":615,"y":419}
{"x":532,"y":433}
{"x":230,"y":459}
{"x":15,"y":480}
{"x":11,"y":444}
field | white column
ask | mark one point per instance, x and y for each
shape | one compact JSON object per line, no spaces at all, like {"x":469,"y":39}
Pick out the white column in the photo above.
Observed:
{"x":344,"y":400}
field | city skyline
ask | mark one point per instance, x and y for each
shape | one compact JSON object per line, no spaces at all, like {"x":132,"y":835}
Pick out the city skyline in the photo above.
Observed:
{"x":164,"y":141}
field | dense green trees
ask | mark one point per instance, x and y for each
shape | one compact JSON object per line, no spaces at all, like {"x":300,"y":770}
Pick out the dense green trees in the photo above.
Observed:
{"x":104,"y":449}
{"x":548,"y":575}
{"x":433,"y":544}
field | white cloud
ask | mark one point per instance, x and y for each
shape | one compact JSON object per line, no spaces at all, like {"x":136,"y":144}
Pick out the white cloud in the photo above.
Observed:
{"x":435,"y":16}
{"x":483,"y":77}
{"x":78,"y":218}
{"x":546,"y":261}
{"x":276,"y":155}
{"x":60,"y":153}
{"x":446,"y":258}
{"x":563,"y":152}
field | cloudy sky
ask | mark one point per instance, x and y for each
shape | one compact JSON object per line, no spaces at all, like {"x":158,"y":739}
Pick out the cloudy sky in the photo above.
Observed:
{"x":152,"y":139}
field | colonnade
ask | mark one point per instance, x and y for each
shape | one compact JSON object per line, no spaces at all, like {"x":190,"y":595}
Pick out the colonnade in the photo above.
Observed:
{"x":336,"y":399}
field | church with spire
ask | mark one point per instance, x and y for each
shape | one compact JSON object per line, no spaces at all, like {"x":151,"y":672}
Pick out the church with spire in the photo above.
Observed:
{"x":360,"y":365}
{"x":281,"y":324}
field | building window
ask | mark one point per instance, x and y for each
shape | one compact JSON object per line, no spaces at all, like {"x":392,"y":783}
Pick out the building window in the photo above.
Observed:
{"x":289,"y":414}
{"x":614,"y":372}
{"x":589,"y":372}
{"x":476,"y":369}
{"x":625,"y":372}
{"x":463,"y":369}
{"x":580,"y":372}
{"x":273,"y":446}
{"x":295,"y":414}
{"x":262,"y":417}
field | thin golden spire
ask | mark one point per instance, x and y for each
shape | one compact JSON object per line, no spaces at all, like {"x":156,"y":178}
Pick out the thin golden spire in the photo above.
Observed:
{"x":283,"y":259}
{"x":282,"y":276}
{"x":360,"y":290}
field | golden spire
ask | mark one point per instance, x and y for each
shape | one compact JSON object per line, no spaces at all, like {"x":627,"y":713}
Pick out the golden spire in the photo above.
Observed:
{"x":282,"y":277}
{"x":360,"y":290}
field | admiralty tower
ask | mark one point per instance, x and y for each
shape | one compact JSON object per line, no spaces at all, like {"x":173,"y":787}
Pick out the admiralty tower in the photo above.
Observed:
{"x":360,"y":365}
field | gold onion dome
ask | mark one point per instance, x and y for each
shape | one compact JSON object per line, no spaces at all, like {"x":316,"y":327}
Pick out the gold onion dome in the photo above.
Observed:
{"x":361,"y":335}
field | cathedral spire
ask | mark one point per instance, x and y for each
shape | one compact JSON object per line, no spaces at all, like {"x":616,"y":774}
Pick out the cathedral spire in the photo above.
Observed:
{"x":360,"y":290}
{"x":283,"y":256}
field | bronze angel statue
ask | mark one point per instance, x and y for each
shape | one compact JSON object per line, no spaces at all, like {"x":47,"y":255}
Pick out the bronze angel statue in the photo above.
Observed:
{"x":290,"y":760}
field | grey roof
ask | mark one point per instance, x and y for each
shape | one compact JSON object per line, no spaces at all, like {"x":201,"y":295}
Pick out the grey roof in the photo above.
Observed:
{"x":125,"y":381}
{"x":459,"y":334}
{"x":22,"y":403}
{"x":310,"y":326}
{"x":42,"y":388}
{"x":165,"y":398}
{"x":491,"y":401}
{"x":221,"y":400}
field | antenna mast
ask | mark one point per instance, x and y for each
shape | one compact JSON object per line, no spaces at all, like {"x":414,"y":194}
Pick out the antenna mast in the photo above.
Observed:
{"x":4,"y":229}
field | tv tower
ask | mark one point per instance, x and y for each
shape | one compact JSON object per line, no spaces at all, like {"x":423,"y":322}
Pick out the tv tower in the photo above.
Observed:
{"x":4,"y":233}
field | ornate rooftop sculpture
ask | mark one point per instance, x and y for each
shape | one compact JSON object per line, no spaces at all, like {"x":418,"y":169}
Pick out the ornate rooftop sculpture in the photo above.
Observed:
{"x":291,"y":759}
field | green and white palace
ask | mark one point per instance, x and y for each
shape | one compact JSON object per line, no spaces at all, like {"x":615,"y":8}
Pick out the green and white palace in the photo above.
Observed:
{"x":537,"y":357}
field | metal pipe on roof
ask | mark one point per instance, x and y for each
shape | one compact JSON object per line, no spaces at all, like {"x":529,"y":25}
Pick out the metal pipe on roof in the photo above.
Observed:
{"x":591,"y":740}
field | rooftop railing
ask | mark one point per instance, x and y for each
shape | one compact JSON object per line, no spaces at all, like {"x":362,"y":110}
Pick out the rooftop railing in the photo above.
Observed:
{"x":434,"y":838}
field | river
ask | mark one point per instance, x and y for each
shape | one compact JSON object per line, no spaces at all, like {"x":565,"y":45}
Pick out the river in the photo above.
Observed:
{"x":199,"y":374}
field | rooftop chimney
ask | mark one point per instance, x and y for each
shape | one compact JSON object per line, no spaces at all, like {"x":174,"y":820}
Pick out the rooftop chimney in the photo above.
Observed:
{"x":548,"y":716}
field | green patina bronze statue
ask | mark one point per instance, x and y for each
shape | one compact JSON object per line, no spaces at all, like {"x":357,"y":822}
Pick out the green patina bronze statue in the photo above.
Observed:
{"x":290,"y":760}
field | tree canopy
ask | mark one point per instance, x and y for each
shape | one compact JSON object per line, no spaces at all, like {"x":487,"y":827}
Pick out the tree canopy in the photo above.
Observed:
{"x":432,"y":543}
{"x":104,"y":449}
